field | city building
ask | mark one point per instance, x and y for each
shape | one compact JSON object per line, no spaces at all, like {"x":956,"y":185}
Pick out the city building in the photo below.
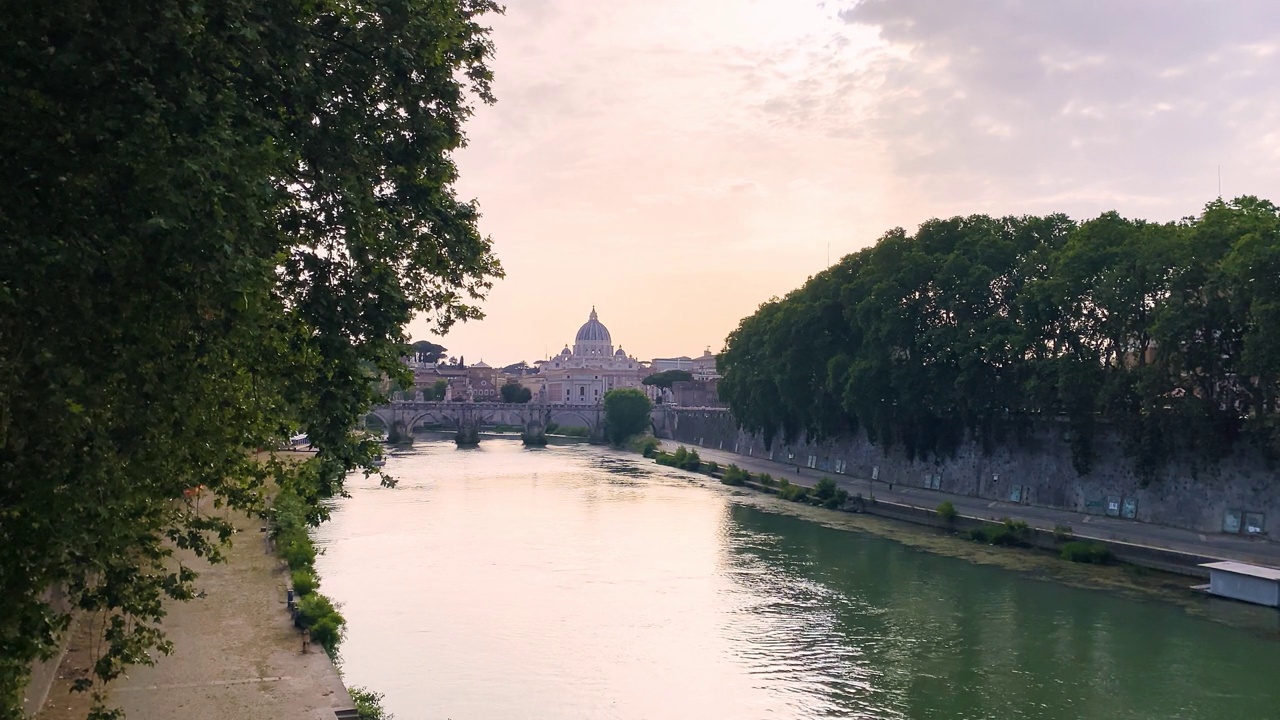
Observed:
{"x":583,"y":375}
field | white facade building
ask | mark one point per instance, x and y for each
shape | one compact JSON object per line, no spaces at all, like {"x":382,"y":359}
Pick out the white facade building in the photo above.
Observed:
{"x":583,"y":375}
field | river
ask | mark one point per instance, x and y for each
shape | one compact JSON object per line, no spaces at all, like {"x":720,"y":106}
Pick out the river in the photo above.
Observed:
{"x":579,"y":582}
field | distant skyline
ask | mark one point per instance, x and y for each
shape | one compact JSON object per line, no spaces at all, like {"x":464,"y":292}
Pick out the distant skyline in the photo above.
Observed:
{"x":675,"y":164}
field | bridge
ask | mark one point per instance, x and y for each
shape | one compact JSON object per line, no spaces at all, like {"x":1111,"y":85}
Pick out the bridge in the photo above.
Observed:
{"x":402,"y":416}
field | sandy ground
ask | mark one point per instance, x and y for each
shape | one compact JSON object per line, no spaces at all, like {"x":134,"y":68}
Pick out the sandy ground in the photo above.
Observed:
{"x":236,"y":656}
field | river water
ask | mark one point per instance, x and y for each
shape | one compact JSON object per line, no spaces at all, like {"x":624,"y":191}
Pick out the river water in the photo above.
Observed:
{"x":578,"y":582}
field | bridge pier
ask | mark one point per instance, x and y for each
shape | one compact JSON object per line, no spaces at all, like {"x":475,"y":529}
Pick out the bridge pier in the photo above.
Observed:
{"x":534,"y":435}
{"x":468,"y":436}
{"x":399,"y":434}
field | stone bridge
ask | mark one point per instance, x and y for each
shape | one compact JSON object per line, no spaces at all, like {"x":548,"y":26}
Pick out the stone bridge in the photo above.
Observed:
{"x":401,"y":417}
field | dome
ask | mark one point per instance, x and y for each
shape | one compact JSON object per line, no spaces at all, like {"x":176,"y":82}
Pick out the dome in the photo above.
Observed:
{"x":621,"y":353}
{"x":593,"y":339}
{"x":593,"y":331}
{"x":565,"y":351}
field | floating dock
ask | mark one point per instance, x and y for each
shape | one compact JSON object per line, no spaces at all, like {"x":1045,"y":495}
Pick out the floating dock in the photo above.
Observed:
{"x":1241,"y":581}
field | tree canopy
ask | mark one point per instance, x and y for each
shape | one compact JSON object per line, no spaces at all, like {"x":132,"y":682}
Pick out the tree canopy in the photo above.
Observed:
{"x":217,"y":220}
{"x":626,"y":413}
{"x":427,"y":352}
{"x":1161,"y":332}
{"x":513,"y":393}
{"x":667,"y":378}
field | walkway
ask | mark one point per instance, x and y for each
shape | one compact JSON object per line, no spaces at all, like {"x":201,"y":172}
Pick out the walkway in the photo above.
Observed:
{"x":236,"y":653}
{"x":1093,"y":527}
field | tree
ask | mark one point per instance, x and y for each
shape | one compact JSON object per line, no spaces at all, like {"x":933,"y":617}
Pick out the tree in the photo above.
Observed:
{"x":975,"y":327}
{"x":667,"y":378}
{"x":514,"y":393}
{"x":239,"y":206}
{"x":626,"y":413}
{"x":440,"y":389}
{"x":427,"y":352}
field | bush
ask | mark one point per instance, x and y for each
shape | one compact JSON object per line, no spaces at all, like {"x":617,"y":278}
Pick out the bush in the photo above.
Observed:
{"x":1087,"y":552}
{"x":766,"y":480}
{"x":734,"y":475}
{"x":685,"y":459}
{"x":646,"y":446}
{"x":368,"y":704}
{"x":317,"y":614}
{"x":327,"y":633}
{"x":1062,"y":533}
{"x":1009,"y":532}
{"x":947,"y":511}
{"x":304,"y":582}
{"x":825,"y":489}
{"x":831,"y":495}
{"x":573,"y":431}
{"x":711,"y":467}
{"x":296,"y":548}
{"x":794,"y":493}
{"x":837,"y":500}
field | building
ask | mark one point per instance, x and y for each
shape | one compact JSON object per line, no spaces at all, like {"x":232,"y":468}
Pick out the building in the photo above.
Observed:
{"x":684,"y":362}
{"x":482,"y":383}
{"x":583,"y":375}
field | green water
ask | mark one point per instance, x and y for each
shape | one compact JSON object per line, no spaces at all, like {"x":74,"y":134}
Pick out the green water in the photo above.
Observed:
{"x":575,"y":582}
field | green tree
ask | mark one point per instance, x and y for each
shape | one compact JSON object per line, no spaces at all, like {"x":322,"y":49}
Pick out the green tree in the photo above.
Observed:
{"x":626,"y":412}
{"x":427,"y":352}
{"x":976,"y":328}
{"x":667,"y":378}
{"x":514,"y":393}
{"x":238,"y":206}
{"x":439,"y":389}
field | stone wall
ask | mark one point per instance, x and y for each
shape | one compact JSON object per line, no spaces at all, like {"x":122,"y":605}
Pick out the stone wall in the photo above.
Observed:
{"x":1035,"y":471}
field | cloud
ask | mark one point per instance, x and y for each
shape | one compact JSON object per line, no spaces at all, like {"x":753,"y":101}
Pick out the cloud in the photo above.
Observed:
{"x":1100,"y":99}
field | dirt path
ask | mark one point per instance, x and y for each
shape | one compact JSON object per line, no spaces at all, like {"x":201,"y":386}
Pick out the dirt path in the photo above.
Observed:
{"x":236,"y":656}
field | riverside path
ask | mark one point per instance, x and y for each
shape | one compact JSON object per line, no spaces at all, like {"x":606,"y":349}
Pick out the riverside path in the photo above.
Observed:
{"x":1084,"y":527}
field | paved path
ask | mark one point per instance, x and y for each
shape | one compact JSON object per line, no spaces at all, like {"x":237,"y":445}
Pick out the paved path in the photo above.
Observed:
{"x":1097,"y":527}
{"x":236,"y":654}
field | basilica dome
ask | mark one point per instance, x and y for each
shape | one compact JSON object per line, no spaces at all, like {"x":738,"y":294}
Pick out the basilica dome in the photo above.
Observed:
{"x":593,"y":338}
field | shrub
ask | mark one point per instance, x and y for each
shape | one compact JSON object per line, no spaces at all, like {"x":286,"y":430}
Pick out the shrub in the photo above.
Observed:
{"x":646,"y":446}
{"x":368,"y":704}
{"x":837,"y":500}
{"x":574,"y":431}
{"x":1087,"y":552}
{"x":734,"y":475}
{"x":1008,"y":532}
{"x":766,"y":480}
{"x":711,"y":467}
{"x":794,"y":493}
{"x":296,"y":548}
{"x":685,"y":459}
{"x":304,"y":582}
{"x":317,"y":614}
{"x":825,"y":489}
{"x":327,"y":633}
{"x":947,"y":511}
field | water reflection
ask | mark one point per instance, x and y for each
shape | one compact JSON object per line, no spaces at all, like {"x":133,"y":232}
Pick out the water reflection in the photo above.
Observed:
{"x":574,"y":582}
{"x":880,"y":630}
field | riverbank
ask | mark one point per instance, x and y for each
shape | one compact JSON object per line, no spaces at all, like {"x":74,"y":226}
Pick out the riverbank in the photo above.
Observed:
{"x":236,"y":652}
{"x":1153,"y":546}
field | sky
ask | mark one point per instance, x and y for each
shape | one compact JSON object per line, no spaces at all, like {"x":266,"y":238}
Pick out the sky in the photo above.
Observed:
{"x":675,"y":163}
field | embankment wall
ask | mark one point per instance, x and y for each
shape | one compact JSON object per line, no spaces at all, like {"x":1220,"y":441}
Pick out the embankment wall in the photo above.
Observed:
{"x":1240,"y":494}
